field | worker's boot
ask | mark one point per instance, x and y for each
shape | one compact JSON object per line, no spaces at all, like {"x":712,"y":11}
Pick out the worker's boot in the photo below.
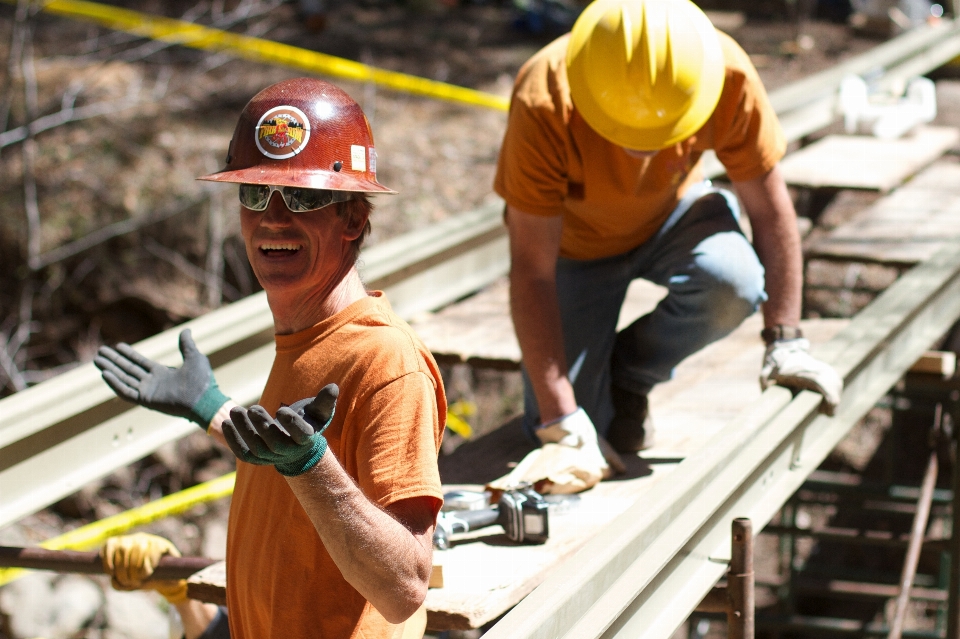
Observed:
{"x":631,"y":429}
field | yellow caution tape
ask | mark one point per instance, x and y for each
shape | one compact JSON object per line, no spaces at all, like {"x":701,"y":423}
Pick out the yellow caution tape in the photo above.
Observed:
{"x":455,"y":422}
{"x":93,"y":535}
{"x":197,"y":36}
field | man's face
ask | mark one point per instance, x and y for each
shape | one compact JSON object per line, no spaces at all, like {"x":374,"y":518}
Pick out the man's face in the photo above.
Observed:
{"x":297,"y":253}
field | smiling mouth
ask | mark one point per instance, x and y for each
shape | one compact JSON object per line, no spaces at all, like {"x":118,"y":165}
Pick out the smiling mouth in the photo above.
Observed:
{"x":280,"y":248}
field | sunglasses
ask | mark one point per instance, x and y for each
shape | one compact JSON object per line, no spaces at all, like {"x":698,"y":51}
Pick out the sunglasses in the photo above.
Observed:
{"x":256,"y":197}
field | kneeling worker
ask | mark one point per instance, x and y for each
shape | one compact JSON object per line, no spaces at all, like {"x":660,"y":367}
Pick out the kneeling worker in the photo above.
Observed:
{"x":601,"y":173}
{"x":331,"y":523}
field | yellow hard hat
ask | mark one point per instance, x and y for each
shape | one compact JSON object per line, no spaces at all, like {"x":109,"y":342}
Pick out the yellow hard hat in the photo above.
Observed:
{"x":644,"y":74}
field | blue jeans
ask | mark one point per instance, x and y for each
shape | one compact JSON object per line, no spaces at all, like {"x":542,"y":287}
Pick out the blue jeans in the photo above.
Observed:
{"x":714,"y":281}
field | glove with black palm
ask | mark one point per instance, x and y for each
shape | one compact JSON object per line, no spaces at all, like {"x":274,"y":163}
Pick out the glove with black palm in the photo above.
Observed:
{"x":189,"y":391}
{"x":293,"y":442}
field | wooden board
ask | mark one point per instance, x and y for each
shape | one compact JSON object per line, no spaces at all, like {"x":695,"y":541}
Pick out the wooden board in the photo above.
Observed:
{"x":479,"y":330}
{"x":210,"y":584}
{"x":865,"y":162}
{"x":905,"y":227}
{"x":485,"y":575}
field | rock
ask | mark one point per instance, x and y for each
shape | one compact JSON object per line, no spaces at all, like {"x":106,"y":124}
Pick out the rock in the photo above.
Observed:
{"x":75,"y":601}
{"x":26,"y":602}
{"x":135,"y":615}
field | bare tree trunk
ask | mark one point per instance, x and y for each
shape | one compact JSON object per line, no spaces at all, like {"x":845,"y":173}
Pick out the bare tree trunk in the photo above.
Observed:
{"x":214,"y":277}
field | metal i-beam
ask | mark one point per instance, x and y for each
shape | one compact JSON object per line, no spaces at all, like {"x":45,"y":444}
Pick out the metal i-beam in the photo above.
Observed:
{"x":646,"y":571}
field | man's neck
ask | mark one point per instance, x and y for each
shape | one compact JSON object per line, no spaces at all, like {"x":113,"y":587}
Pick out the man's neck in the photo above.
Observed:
{"x":293,"y":313}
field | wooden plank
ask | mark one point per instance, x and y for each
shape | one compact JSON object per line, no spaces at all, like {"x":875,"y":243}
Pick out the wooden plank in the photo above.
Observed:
{"x":210,"y":584}
{"x":905,"y":227}
{"x":940,"y":363}
{"x":865,"y":162}
{"x":479,"y":330}
{"x":486,"y":575}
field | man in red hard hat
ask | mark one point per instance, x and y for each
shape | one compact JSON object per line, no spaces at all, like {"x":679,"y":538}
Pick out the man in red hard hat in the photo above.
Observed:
{"x":601,"y":173}
{"x":337,"y":492}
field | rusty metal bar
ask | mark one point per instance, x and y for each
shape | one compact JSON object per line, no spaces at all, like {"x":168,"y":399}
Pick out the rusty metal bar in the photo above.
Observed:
{"x":740,"y":582}
{"x":916,"y":534}
{"x":737,"y":599}
{"x":89,"y":562}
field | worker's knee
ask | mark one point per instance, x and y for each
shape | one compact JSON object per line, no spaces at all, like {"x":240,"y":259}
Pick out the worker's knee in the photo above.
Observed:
{"x":728,"y":277}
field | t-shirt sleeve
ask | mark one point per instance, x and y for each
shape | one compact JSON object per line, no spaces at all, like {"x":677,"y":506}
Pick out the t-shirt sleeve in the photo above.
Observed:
{"x":531,"y":169}
{"x":398,"y":446}
{"x":748,"y":138}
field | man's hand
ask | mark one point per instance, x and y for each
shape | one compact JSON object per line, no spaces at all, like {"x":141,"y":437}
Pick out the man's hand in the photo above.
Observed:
{"x":131,"y":559}
{"x":293,"y":442}
{"x":788,"y":362}
{"x":189,"y":391}
{"x":576,"y":430}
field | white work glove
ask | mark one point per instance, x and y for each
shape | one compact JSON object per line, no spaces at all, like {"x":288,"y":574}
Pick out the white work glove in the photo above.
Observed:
{"x":577,"y":431}
{"x":788,"y":362}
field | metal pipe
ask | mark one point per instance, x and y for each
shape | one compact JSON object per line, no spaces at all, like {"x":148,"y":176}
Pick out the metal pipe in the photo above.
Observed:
{"x":89,"y":563}
{"x":916,"y":536}
{"x":740,"y":589}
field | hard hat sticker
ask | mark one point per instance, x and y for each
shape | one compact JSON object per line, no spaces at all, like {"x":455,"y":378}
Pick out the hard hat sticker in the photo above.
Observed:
{"x":282,"y":132}
{"x":373,"y":160}
{"x":358,"y":158}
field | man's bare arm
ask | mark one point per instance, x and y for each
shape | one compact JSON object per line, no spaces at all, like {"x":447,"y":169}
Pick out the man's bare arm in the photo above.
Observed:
{"x":534,"y":248}
{"x":777,"y":242}
{"x":387,"y":555}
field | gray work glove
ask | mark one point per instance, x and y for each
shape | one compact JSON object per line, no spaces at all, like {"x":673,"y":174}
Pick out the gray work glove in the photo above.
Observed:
{"x":189,"y":391}
{"x":788,"y":362}
{"x":293,"y":442}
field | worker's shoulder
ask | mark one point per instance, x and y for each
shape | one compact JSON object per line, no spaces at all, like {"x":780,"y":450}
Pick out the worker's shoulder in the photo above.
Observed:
{"x":542,"y":80}
{"x":735,"y":59}
{"x":384,"y":340}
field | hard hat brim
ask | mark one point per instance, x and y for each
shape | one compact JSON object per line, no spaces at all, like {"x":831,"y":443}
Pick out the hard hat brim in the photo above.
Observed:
{"x":277,"y":176}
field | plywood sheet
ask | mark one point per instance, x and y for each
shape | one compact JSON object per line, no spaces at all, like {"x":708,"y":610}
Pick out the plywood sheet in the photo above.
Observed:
{"x":865,"y":162}
{"x":485,"y":575}
{"x":905,"y":227}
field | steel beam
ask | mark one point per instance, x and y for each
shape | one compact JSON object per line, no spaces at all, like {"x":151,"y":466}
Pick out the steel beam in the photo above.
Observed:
{"x":644,"y":573}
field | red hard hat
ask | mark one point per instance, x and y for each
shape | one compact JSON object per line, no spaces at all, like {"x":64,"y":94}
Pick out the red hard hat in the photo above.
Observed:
{"x":303,"y":132}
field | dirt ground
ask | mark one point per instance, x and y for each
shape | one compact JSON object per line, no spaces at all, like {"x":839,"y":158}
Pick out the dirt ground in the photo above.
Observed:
{"x":105,"y":236}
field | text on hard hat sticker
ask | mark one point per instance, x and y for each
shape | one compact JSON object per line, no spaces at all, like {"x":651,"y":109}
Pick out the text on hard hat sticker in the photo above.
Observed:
{"x":358,"y":158}
{"x":282,"y":132}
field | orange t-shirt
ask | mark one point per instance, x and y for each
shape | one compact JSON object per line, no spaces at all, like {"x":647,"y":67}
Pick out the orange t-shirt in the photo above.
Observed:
{"x":385,"y":432}
{"x":552,"y":163}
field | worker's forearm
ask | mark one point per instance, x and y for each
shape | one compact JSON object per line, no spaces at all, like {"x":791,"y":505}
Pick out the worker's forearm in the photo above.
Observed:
{"x":777,"y":242}
{"x":215,"y":429}
{"x":536,"y":320}
{"x":778,"y":247}
{"x":375,"y":553}
{"x":195,"y":616}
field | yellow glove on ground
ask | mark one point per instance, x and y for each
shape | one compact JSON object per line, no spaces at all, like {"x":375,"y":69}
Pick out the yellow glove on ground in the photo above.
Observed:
{"x":131,"y":559}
